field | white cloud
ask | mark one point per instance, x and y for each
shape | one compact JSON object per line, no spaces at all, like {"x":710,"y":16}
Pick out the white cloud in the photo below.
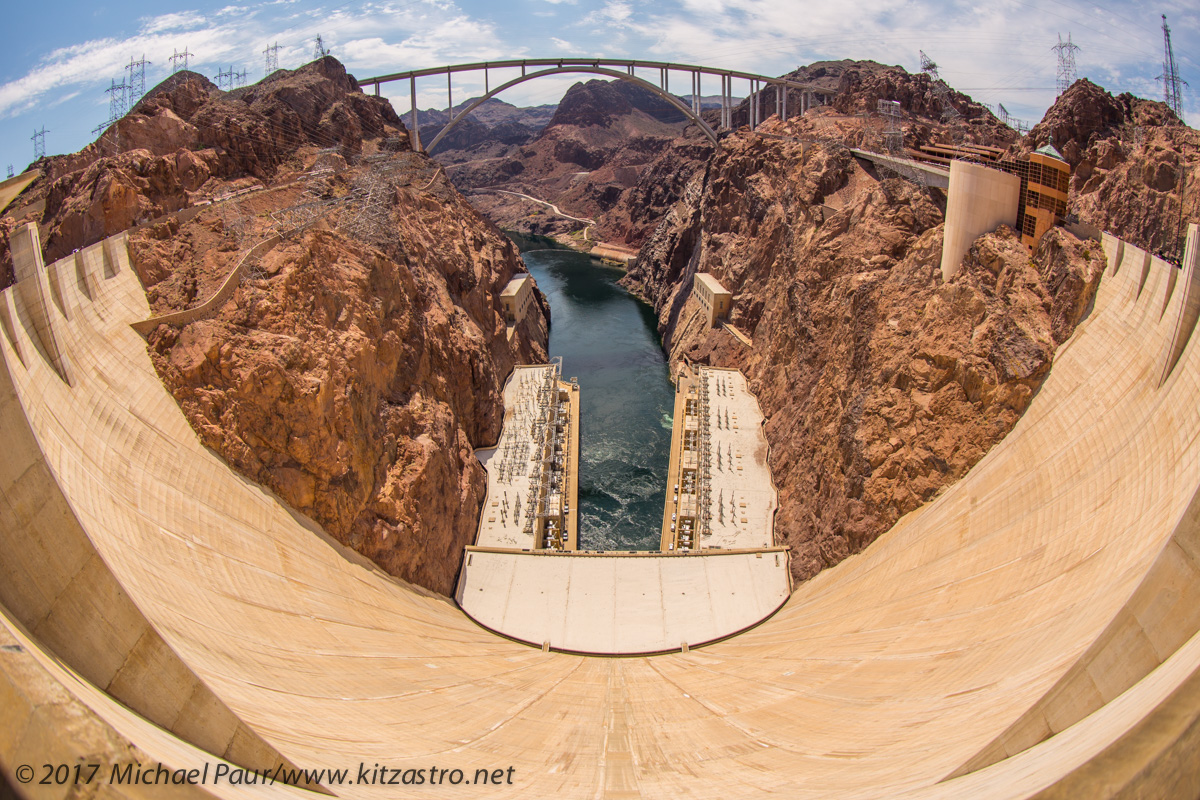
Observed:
{"x":561,"y":44}
{"x":613,"y":14}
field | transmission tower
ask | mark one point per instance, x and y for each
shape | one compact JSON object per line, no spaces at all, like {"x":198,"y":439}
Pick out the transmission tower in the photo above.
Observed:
{"x":117,"y":106}
{"x":319,"y":49}
{"x":39,"y":143}
{"x":1066,"y":62}
{"x":136,"y":81}
{"x":893,"y":134}
{"x":177,"y":58}
{"x":272,"y":55}
{"x":225,"y":79}
{"x":10,"y":170}
{"x":239,"y":78}
{"x":940,"y":89}
{"x":1172,"y":83}
{"x":118,"y":103}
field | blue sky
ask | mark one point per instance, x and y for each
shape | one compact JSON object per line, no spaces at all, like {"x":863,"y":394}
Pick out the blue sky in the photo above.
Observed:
{"x":55,"y":73}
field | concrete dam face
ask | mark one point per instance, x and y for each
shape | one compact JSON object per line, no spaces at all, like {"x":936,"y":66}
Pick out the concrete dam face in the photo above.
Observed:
{"x":1031,"y":632}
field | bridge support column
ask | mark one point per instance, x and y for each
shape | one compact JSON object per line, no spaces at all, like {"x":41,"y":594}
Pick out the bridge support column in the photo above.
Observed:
{"x":696,"y":92}
{"x":725,"y":121}
{"x":449,"y":96}
{"x":414,"y":133}
{"x":485,"y":81}
{"x":783,"y":104}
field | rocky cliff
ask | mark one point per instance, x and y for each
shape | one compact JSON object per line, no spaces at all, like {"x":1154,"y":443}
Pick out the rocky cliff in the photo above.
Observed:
{"x":361,"y":359}
{"x":880,"y":384}
{"x":1133,"y":164}
{"x":186,"y":140}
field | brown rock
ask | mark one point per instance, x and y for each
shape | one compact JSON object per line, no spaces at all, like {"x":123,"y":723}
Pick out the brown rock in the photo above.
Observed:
{"x":880,"y":384}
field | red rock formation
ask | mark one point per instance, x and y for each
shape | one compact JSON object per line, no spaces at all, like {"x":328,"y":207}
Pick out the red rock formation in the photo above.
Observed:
{"x":186,"y":139}
{"x":352,"y":373}
{"x":601,"y":141}
{"x":356,"y":381}
{"x":880,"y":383}
{"x":1129,"y":157}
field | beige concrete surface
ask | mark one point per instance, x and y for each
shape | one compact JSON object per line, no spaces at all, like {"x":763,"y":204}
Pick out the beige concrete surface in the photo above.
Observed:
{"x":621,"y":603}
{"x":978,"y":201}
{"x":881,"y":677}
{"x":11,"y":187}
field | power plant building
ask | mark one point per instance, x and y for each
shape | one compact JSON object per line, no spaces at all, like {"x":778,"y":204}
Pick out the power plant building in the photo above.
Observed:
{"x":714,"y":298}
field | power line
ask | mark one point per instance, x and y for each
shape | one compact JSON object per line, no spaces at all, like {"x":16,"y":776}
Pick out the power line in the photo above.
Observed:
{"x":1066,"y":62}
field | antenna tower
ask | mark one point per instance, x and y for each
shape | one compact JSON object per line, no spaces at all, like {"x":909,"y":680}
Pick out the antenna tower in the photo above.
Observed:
{"x":178,"y":57}
{"x":319,"y":48}
{"x":136,"y":84}
{"x":39,"y":143}
{"x":272,"y":55}
{"x":1172,"y":83}
{"x":1066,"y":62}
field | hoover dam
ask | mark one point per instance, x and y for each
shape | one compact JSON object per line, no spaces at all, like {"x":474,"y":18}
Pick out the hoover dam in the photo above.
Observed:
{"x":1031,"y":632}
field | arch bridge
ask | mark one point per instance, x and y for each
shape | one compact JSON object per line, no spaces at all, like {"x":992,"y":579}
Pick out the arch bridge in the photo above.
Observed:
{"x":619,"y":68}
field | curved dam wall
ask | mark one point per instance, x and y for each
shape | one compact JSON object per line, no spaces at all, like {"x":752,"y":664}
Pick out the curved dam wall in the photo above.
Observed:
{"x":922,"y":658}
{"x":55,"y":586}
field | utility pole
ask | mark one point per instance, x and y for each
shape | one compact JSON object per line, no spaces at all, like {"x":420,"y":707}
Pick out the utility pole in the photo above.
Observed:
{"x":1066,"y":62}
{"x":177,"y":58}
{"x":272,"y":55}
{"x":39,"y":143}
{"x":319,"y":49}
{"x":1172,"y":83}
{"x":136,"y":81}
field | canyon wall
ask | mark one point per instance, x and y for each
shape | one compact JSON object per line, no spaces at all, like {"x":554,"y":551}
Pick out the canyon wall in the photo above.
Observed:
{"x":880,"y":384}
{"x":360,"y":360}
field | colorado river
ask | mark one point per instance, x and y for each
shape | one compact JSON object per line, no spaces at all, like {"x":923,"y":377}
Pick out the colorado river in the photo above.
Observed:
{"x":609,"y":340}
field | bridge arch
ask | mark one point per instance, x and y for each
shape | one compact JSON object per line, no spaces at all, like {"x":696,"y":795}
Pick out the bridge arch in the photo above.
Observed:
{"x":575,"y":68}
{"x":623,"y":69}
